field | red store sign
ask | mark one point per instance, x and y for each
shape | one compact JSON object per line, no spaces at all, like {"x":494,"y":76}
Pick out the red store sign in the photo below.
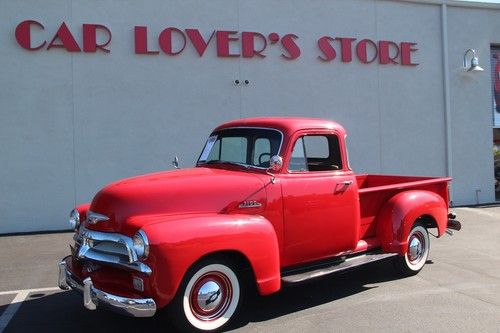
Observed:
{"x":173,"y":41}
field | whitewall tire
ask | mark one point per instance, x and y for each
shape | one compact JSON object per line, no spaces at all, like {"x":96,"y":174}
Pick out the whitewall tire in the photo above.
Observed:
{"x":417,"y":252}
{"x":208,"y":299}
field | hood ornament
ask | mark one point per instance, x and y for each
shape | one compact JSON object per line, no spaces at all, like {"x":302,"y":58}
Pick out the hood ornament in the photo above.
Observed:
{"x":175,"y":162}
{"x":93,"y":218}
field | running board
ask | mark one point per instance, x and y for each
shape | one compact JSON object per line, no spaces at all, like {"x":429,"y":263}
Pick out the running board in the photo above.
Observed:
{"x":297,"y":276}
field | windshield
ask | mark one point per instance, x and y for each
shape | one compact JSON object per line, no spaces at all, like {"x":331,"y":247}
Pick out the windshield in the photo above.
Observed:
{"x":243,"y":146}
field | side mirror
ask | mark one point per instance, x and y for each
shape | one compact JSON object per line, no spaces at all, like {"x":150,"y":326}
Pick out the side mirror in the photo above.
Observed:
{"x":175,"y":162}
{"x":275,"y":163}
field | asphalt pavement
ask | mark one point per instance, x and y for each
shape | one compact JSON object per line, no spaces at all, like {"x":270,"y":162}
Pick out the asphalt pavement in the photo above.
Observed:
{"x":457,"y":291}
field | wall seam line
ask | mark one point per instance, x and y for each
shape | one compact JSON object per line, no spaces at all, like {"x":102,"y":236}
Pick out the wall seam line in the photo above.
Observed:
{"x":74,"y":114}
{"x":446,"y":90}
{"x":379,"y":106}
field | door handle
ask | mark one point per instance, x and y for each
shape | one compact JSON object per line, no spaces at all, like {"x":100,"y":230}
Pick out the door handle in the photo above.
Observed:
{"x":342,"y":186}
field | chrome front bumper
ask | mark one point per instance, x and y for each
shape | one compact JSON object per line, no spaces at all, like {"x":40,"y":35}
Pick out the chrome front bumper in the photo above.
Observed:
{"x":92,"y":297}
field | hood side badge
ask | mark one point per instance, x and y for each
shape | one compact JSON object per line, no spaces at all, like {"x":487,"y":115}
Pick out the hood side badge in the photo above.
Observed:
{"x":250,"y":204}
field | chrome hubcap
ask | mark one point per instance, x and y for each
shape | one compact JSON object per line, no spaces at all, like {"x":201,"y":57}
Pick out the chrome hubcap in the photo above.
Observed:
{"x":211,"y":296}
{"x":416,"y":248}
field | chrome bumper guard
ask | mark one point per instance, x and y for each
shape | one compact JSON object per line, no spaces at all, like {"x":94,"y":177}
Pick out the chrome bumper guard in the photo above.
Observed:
{"x":92,"y":297}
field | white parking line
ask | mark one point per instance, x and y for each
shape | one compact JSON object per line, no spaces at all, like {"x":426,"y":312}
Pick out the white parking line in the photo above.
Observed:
{"x":21,"y":296}
{"x":10,"y":292}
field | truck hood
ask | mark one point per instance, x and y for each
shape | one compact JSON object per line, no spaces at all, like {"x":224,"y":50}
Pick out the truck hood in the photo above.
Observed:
{"x":196,"y":190}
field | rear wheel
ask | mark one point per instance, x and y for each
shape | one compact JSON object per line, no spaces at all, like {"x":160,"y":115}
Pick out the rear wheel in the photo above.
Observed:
{"x":208,"y":297}
{"x":417,"y":252}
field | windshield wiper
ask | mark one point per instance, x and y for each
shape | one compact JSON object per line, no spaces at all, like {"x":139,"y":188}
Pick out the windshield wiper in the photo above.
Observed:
{"x":246,"y":166}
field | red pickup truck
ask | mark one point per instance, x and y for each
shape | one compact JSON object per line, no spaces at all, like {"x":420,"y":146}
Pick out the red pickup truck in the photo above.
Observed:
{"x":271,"y":201}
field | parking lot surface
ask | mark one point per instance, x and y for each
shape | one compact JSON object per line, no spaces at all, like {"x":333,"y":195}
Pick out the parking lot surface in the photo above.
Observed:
{"x":457,"y":291}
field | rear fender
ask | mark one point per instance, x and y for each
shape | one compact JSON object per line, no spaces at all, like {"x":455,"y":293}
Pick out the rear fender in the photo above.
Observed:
{"x":398,"y":215}
{"x":177,"y":242}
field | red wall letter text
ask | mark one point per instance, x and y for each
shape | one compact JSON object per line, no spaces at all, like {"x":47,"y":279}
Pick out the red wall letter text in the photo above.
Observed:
{"x":327,"y":48}
{"x":166,"y":43}
{"x":223,"y":40}
{"x":346,"y":48}
{"x":362,"y":52}
{"x":90,"y":38}
{"x":68,"y":42}
{"x":384,"y":47}
{"x":288,"y":43}
{"x":248,"y":43}
{"x":406,"y":50}
{"x":23,"y":35}
{"x":197,"y":40}
{"x":141,"y":41}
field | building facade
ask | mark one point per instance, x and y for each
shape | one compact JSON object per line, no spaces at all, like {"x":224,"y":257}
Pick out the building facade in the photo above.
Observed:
{"x":95,"y":91}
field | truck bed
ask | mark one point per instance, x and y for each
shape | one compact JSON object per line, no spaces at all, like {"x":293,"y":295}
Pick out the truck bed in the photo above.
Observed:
{"x":375,"y":190}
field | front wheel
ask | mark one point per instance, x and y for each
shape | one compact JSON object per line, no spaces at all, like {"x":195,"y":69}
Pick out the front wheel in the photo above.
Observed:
{"x":417,"y":252}
{"x":208,"y":297}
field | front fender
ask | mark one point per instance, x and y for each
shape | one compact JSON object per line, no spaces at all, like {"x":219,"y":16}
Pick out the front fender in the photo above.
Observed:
{"x":178,"y":241}
{"x":82,"y":210}
{"x":398,"y":215}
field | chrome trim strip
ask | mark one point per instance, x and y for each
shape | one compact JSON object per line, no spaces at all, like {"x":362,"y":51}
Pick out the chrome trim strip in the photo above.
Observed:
{"x":93,"y":297}
{"x":93,"y":218}
{"x":86,"y":237}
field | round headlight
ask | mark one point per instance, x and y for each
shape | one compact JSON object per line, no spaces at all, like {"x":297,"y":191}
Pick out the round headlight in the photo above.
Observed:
{"x":141,"y":244}
{"x":74,"y":219}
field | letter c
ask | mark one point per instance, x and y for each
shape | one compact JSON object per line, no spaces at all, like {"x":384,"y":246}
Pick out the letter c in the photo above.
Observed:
{"x":23,"y":35}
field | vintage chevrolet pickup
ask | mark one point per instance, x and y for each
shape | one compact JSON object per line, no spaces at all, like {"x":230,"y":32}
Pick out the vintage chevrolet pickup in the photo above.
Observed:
{"x":271,"y":201}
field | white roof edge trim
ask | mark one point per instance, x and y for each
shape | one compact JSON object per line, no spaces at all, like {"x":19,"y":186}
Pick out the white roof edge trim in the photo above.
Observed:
{"x":453,"y":3}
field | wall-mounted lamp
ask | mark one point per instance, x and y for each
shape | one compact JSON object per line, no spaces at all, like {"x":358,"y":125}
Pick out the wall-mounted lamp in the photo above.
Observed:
{"x":474,"y":62}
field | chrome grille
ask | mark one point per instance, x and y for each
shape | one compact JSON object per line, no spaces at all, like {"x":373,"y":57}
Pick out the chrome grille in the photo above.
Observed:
{"x":109,"y":248}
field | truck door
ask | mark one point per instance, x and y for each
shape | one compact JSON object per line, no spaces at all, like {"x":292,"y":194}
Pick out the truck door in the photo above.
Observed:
{"x":320,"y":200}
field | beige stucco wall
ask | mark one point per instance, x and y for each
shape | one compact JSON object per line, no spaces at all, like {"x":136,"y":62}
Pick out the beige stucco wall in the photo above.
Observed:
{"x":71,"y":122}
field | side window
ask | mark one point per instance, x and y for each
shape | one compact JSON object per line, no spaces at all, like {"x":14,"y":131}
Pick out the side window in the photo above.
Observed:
{"x":316,"y":153}
{"x":262,"y":152}
{"x":317,"y":146}
{"x":298,"y":159}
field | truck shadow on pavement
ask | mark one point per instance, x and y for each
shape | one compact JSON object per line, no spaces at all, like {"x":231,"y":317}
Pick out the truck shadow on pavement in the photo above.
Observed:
{"x":294,"y":298}
{"x":63,"y":311}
